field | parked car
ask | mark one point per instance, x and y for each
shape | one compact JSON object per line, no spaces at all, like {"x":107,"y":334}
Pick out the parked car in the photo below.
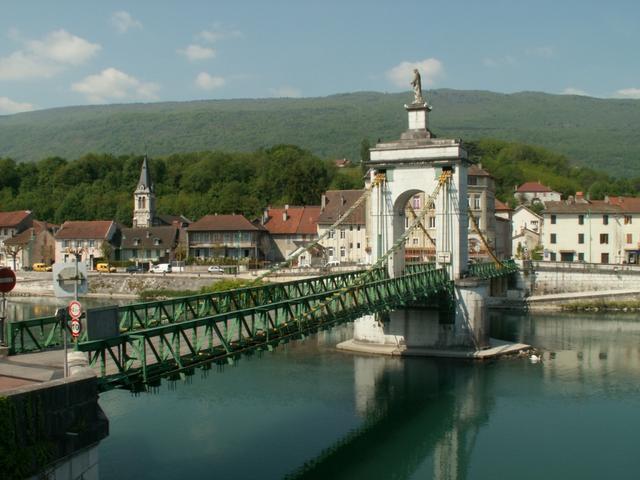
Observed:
{"x":332,"y":263}
{"x":41,"y":267}
{"x":215,"y":269}
{"x":160,"y":268}
{"x":105,"y":268}
{"x":135,"y":269}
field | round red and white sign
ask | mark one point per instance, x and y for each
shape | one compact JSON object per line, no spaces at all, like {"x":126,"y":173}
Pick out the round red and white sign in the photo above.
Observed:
{"x":7,"y":279}
{"x":76,"y":327}
{"x":75,"y":309}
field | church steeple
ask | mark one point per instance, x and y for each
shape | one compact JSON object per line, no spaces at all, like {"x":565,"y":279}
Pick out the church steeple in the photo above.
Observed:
{"x":144,"y":200}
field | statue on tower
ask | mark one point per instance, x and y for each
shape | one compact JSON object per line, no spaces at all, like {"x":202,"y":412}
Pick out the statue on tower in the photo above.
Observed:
{"x":416,"y":83}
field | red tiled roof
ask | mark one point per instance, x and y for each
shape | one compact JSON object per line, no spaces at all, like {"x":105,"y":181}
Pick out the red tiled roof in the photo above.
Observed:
{"x":627,"y":204}
{"x":502,"y":206}
{"x":536,"y":187}
{"x":338,"y":202}
{"x":11,"y":219}
{"x":225,"y":223}
{"x":593,"y":206}
{"x":96,"y":229}
{"x":478,"y":171}
{"x":301,"y":220}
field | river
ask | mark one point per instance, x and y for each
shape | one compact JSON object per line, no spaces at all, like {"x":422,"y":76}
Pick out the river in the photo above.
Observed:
{"x":310,"y":411}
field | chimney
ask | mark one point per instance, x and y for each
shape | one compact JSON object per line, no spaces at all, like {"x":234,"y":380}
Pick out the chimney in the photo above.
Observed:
{"x":265,"y":216}
{"x":323,"y":202}
{"x":579,"y":197}
{"x":343,"y":201}
{"x":606,"y":199}
{"x":285,"y":213}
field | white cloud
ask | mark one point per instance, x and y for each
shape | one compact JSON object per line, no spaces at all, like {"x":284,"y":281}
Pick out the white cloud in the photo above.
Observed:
{"x":123,"y":21}
{"x":112,"y":84}
{"x":285,"y":92}
{"x":209,"y":82}
{"x":217,"y":33}
{"x":44,"y":58}
{"x":430,"y":69}
{"x":628,"y":93}
{"x":544,"y":52}
{"x":574,"y":91}
{"x":8,"y":106}
{"x":20,"y":65}
{"x":198,"y":52}
{"x":62,"y":47}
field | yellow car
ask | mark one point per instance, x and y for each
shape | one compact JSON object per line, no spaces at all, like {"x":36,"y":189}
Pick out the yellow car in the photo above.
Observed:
{"x":41,"y":267}
{"x":104,"y":267}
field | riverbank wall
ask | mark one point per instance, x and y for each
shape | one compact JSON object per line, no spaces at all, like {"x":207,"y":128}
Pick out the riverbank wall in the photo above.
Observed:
{"x":52,"y":429}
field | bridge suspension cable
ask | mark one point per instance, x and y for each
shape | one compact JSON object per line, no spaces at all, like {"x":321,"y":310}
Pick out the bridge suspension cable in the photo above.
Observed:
{"x":445,"y":176}
{"x":378,"y":179}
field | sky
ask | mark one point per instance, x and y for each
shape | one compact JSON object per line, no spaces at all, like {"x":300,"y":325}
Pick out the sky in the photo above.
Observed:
{"x":62,"y":53}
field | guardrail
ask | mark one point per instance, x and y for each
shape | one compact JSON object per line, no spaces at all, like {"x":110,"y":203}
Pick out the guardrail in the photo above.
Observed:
{"x":42,"y":333}
{"x":492,"y":269}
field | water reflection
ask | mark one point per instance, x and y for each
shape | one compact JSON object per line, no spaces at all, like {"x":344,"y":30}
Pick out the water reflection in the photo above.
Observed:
{"x":25,"y":308}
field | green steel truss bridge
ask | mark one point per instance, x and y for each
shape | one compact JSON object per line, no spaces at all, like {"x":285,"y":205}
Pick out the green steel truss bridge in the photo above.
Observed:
{"x":170,"y":338}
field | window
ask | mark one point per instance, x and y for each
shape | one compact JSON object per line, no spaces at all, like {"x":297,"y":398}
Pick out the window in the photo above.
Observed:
{"x":476,"y":202}
{"x":604,"y":258}
{"x":342,"y":251}
{"x":65,"y":244}
{"x":350,"y":245}
{"x":351,"y":228}
{"x":627,"y":219}
{"x":406,"y":222}
{"x":415,"y":241}
{"x":552,"y":256}
{"x":342,"y":234}
{"x":358,"y":229}
{"x":358,"y":245}
{"x":581,"y":238}
{"x":580,"y":219}
{"x":581,"y":257}
{"x":553,"y":219}
{"x":332,"y":234}
{"x":605,"y":219}
{"x":415,"y":202}
{"x":604,"y":238}
{"x":136,"y":242}
{"x":553,"y":238}
{"x":432,"y":222}
{"x":330,"y":252}
{"x":472,"y":180}
{"x":629,"y":237}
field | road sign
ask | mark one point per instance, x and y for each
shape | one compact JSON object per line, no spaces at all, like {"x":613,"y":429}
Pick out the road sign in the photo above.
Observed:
{"x":64,"y":279}
{"x":7,"y":279}
{"x":76,"y":327}
{"x":75,"y":309}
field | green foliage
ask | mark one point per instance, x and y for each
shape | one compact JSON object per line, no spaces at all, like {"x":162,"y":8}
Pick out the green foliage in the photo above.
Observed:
{"x":512,"y":164}
{"x":220,"y":286}
{"x":589,"y":131}
{"x":192,"y":184}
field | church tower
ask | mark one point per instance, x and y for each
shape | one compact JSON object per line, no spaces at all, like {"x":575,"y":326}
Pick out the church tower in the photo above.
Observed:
{"x":144,"y":200}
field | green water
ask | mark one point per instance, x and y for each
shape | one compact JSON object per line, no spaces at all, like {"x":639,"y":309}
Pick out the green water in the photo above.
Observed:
{"x":309,"y":411}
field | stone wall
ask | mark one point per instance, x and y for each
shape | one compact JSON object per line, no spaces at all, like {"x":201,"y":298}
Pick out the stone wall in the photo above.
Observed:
{"x":540,"y":279}
{"x":49,"y":423}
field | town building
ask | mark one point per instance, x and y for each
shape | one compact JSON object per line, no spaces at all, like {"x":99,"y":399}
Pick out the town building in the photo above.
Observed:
{"x":592,"y":231}
{"x":217,"y":236}
{"x":91,"y":240}
{"x":530,"y":192}
{"x":527,"y":226}
{"x":12,"y":223}
{"x":36,"y":244}
{"x":149,"y":244}
{"x":347,"y":243}
{"x":291,"y":228}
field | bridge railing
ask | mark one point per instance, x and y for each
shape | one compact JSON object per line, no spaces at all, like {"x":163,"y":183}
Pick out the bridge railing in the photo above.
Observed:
{"x":492,"y":269}
{"x":144,"y":356}
{"x":45,"y":332}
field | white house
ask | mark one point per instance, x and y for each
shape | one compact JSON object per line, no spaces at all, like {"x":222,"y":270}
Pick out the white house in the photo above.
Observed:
{"x":86,"y":239}
{"x":348,"y":243}
{"x":531,"y":191}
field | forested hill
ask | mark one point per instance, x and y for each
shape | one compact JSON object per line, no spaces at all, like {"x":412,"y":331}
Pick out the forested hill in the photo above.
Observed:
{"x":602,"y":134}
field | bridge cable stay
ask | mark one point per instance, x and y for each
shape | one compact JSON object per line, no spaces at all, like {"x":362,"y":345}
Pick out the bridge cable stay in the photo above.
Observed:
{"x":421,"y":225}
{"x":474,"y":223}
{"x":445,"y":176}
{"x":293,"y":256}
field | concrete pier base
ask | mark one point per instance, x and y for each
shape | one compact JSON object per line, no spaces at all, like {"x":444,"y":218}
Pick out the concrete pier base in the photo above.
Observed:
{"x":434,"y":332}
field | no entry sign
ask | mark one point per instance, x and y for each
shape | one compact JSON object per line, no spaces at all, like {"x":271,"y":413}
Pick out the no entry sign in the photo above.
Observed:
{"x":7,"y":279}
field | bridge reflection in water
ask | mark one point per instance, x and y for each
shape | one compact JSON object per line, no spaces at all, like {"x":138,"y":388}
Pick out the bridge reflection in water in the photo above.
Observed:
{"x":424,"y":427}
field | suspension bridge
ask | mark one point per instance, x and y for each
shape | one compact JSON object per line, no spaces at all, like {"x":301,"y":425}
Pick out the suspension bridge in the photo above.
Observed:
{"x":171,"y":338}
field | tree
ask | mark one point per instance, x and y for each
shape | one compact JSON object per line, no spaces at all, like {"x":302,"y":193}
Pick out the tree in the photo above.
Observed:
{"x":107,"y":251}
{"x":12,"y":251}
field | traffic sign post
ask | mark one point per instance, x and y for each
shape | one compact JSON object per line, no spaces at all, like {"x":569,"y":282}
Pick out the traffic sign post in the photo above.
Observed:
{"x":7,"y":283}
{"x":75,"y":309}
{"x":76,"y":327}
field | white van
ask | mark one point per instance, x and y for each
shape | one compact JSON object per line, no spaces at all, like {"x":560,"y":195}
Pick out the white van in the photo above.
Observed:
{"x":160,"y":268}
{"x":332,"y":263}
